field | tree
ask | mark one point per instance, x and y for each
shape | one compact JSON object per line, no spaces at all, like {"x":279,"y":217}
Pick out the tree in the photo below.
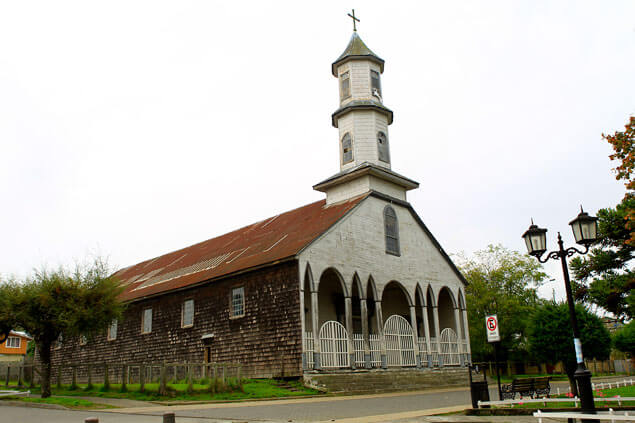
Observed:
{"x":604,"y":277}
{"x":622,"y":143}
{"x":504,"y":283}
{"x":70,"y":304}
{"x":551,"y":336}
{"x":624,"y":339}
{"x":7,"y":315}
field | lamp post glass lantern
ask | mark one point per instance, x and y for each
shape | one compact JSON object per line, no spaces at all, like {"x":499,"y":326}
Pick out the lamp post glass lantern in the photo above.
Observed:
{"x":585,"y":233}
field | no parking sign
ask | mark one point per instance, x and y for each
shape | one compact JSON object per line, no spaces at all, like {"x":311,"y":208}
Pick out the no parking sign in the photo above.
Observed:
{"x":491,"y":327}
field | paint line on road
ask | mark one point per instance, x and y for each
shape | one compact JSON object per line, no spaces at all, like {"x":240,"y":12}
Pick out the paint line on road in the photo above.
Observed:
{"x":404,"y":415}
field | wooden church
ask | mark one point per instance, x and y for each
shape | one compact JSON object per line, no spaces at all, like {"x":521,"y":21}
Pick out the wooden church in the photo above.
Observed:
{"x":354,"y":282}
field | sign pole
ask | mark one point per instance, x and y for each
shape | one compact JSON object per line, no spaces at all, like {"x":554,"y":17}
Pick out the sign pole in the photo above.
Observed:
{"x":498,"y":375}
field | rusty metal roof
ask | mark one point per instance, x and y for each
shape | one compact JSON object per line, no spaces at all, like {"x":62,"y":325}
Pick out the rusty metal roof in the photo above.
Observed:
{"x":266,"y":242}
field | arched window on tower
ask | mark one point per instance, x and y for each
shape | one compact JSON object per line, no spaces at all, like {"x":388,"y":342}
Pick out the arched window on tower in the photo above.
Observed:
{"x":391,"y":230}
{"x":382,"y":147}
{"x":375,"y":86}
{"x":347,"y":148}
{"x":345,"y":85}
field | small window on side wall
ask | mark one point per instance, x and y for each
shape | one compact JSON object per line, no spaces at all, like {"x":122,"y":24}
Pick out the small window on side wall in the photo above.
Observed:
{"x":146,"y":321}
{"x":237,"y":302}
{"x":382,"y":147}
{"x":13,"y":342}
{"x":345,"y":85}
{"x":187,"y":314}
{"x":112,"y":330}
{"x":347,"y":148}
{"x":391,"y":229}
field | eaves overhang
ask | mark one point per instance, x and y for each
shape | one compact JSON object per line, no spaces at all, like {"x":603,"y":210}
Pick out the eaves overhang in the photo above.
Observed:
{"x":362,"y":170}
{"x":361,"y":105}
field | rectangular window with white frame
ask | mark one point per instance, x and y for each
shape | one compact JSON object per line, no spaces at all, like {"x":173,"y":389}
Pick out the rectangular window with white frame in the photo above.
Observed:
{"x":112,"y":330}
{"x":13,"y":342}
{"x":146,"y":321}
{"x":237,"y":303}
{"x":187,"y":314}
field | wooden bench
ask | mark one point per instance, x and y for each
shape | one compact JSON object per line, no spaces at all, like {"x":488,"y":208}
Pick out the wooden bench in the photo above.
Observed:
{"x":531,"y":386}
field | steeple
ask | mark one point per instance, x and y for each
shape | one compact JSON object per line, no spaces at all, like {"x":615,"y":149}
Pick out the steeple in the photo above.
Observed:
{"x":362,"y":120}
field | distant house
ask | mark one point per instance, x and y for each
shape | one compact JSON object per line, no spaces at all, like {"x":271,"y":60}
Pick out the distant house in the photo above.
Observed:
{"x":13,"y":349}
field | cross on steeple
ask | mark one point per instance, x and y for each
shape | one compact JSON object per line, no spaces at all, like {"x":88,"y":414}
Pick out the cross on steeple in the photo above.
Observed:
{"x":354,"y":19}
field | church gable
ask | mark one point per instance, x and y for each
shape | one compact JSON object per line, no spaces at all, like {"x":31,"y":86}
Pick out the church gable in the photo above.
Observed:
{"x":362,"y":246}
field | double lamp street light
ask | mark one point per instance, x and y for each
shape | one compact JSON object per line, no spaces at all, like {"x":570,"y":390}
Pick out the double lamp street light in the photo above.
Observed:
{"x":585,"y":233}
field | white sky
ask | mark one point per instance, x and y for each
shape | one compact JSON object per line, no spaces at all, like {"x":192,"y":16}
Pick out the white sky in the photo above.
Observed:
{"x":133,"y":128}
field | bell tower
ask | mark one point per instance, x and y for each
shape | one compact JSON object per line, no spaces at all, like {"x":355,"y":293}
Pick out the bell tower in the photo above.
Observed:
{"x":362,"y":121}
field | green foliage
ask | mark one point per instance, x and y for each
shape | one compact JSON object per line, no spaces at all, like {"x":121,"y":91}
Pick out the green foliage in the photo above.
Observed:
{"x":624,"y":339}
{"x":60,"y":302}
{"x":505,"y":283}
{"x":551,"y":335}
{"x":7,"y":313}
{"x":604,"y":276}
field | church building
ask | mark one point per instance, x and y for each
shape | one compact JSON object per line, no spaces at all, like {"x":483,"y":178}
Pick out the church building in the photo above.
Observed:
{"x":353,"y":282}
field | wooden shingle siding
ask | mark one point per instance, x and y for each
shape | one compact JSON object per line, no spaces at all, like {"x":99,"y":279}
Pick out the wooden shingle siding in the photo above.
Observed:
{"x":267,"y":340}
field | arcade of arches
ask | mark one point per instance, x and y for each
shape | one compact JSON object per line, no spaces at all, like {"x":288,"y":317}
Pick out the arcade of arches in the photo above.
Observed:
{"x":363,"y":329}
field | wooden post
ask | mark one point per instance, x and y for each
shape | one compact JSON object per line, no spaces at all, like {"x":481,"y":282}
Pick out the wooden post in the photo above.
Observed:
{"x":32,"y":381}
{"x":509,"y":368}
{"x":89,"y":370}
{"x":6,"y":382}
{"x":142,"y":377}
{"x":124,"y":372}
{"x":223,"y":374}
{"x":74,"y":377}
{"x":106,"y":380}
{"x":20,"y":369}
{"x":59,"y":376}
{"x":163,"y":389}
{"x":190,"y":387}
{"x":240,"y":382}
{"x":168,"y":418}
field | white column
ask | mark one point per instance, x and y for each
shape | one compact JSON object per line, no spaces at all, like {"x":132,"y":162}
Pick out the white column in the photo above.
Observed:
{"x":426,"y":327}
{"x":467,"y":335}
{"x":303,"y":324}
{"x":459,"y":334}
{"x":437,"y":330}
{"x":348,"y":317}
{"x":365,"y":332}
{"x":415,"y":334}
{"x":380,"y":331}
{"x":316,"y":329}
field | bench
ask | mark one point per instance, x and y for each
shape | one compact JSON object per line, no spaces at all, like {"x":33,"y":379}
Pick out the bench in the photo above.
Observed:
{"x":527,"y":387}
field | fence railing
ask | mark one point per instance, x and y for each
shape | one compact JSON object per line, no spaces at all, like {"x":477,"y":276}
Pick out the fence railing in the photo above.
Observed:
{"x":215,"y":374}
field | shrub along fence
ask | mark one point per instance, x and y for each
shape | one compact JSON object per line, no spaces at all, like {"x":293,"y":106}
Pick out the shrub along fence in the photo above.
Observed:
{"x":216,"y":376}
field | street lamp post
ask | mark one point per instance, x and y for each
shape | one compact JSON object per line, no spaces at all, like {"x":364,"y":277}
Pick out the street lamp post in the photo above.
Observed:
{"x":585,"y":233}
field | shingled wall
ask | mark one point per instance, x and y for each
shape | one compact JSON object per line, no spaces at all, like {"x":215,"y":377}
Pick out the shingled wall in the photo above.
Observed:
{"x":267,"y":340}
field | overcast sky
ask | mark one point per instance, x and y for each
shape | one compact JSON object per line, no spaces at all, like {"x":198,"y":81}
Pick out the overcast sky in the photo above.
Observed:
{"x":130,"y":129}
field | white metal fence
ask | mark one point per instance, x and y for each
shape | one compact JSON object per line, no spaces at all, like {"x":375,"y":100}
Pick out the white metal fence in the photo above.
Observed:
{"x":449,"y":348}
{"x":334,"y":345}
{"x":397,"y":342}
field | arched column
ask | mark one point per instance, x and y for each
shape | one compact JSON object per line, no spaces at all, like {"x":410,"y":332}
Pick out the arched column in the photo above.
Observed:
{"x":467,"y":335}
{"x":459,"y":333}
{"x":305,"y":365}
{"x":316,"y":329}
{"x":435,"y":314}
{"x":380,"y":331}
{"x":413,"y":321}
{"x":365,"y":332}
{"x":348,"y":317}
{"x":426,"y":328}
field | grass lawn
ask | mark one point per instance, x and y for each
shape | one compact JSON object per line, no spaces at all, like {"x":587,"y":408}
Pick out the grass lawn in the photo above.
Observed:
{"x":76,"y":404}
{"x":251,"y":389}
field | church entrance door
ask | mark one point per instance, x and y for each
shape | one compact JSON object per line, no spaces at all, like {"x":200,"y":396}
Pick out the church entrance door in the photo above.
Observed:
{"x":334,"y":345}
{"x":400,"y":351}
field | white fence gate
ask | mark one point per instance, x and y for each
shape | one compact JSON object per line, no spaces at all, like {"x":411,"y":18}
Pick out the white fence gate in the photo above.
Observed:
{"x":334,"y":345}
{"x":450,"y":347}
{"x":308,"y":349}
{"x":399,"y":342}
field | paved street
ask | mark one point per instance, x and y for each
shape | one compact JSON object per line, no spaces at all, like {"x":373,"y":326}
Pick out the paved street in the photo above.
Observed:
{"x":403,"y":407}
